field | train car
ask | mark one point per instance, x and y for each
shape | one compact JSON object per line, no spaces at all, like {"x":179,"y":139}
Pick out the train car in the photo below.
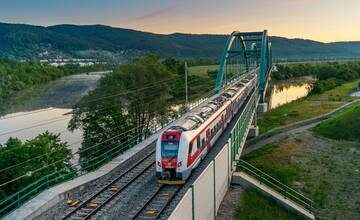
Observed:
{"x":180,"y":148}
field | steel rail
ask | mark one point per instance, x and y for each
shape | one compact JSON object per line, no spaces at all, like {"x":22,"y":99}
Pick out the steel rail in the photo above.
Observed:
{"x":163,"y":207}
{"x":88,"y":201}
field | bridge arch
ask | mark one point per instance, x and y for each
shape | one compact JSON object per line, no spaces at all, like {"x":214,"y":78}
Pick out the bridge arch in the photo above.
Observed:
{"x":244,"y":52}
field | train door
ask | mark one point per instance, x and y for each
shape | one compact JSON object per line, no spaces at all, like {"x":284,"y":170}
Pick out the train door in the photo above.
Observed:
{"x":208,"y":138}
{"x":222,"y":121}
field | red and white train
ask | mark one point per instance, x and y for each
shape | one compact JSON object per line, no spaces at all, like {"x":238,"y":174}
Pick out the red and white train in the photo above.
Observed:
{"x":180,"y":148}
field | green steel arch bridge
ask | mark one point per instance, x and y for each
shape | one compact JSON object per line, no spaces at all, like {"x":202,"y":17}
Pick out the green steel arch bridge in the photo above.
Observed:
{"x":244,"y":53}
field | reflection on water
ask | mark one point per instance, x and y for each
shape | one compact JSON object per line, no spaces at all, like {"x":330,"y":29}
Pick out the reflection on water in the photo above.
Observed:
{"x":35,"y":110}
{"x":285,"y":92}
{"x":61,"y":93}
{"x":27,"y":125}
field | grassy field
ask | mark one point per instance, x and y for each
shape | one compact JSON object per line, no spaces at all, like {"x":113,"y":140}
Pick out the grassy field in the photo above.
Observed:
{"x":202,"y":71}
{"x":343,"y":126}
{"x":307,"y":107}
{"x":255,"y":206}
{"x":325,"y":170}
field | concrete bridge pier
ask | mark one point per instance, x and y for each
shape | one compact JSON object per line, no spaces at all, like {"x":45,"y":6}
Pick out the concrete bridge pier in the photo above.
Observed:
{"x":254,"y":129}
{"x":262,"y":107}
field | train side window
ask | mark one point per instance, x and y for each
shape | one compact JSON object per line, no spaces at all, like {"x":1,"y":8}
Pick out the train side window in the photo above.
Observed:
{"x":190,"y":148}
{"x":203,"y":142}
{"x":198,"y":142}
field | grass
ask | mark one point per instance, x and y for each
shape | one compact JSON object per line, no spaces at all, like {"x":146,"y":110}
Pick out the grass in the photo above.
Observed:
{"x":279,"y":167}
{"x":202,"y":71}
{"x":255,"y":206}
{"x":324,"y":170}
{"x":342,"y":126}
{"x":306,"y":108}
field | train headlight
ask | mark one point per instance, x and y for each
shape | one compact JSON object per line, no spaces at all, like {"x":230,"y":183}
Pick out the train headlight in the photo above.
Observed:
{"x":179,"y":164}
{"x":159,"y":164}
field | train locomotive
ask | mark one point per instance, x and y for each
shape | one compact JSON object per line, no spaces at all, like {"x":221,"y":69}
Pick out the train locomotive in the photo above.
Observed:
{"x":181,"y":147}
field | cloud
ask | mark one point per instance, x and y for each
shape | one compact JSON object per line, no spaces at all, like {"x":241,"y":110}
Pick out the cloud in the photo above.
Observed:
{"x":156,"y":13}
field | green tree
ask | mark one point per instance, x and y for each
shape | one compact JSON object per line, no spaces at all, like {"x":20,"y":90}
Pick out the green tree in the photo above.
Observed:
{"x":45,"y":153}
{"x":126,"y":103}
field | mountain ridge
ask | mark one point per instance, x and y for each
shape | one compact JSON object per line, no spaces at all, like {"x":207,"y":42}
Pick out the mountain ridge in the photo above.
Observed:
{"x":24,"y":41}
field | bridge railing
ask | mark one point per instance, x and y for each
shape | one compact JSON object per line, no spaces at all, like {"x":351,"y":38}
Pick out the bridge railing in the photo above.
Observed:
{"x":276,"y":185}
{"x":239,"y":132}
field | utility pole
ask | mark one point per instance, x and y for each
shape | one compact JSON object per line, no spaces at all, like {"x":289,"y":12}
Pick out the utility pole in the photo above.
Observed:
{"x":186,"y":85}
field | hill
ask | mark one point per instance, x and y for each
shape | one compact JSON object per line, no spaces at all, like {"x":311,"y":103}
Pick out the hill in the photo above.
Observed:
{"x":343,"y":126}
{"x":98,"y":41}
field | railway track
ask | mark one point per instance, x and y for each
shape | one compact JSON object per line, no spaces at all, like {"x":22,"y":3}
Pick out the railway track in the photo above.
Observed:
{"x":95,"y":203}
{"x":159,"y":201}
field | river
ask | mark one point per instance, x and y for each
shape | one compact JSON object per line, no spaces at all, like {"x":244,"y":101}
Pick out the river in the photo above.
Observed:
{"x":282,"y":92}
{"x":46,"y":107}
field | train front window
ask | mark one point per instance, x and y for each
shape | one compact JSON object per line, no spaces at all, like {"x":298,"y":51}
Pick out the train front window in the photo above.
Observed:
{"x":169,"y":148}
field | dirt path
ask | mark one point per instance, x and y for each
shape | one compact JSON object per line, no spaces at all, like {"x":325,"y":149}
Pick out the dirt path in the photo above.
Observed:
{"x":227,"y":209}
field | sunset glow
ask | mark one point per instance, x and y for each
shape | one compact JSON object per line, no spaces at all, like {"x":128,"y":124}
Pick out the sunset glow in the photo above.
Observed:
{"x":322,"y":20}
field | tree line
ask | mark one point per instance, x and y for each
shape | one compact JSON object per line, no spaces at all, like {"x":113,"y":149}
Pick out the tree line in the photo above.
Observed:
{"x":329,"y":75}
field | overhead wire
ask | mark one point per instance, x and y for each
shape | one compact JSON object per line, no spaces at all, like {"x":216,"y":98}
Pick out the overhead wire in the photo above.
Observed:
{"x":97,"y":99}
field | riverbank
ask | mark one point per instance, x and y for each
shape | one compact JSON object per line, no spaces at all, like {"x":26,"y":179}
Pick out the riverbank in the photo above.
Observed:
{"x":44,"y":107}
{"x":307,"y":107}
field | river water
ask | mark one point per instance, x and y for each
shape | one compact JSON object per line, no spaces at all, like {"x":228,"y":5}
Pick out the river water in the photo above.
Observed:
{"x":46,"y":107}
{"x":282,"y":92}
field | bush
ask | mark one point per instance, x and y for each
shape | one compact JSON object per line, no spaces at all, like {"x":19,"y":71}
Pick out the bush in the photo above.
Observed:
{"x":321,"y":86}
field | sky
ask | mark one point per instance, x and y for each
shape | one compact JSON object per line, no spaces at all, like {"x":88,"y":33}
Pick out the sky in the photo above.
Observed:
{"x":321,"y":20}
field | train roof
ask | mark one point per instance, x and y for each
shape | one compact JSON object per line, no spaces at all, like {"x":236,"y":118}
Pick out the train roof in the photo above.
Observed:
{"x":200,"y":114}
